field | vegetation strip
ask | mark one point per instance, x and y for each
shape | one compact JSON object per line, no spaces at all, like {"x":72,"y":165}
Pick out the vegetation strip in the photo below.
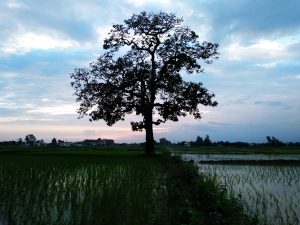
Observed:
{"x":199,"y":200}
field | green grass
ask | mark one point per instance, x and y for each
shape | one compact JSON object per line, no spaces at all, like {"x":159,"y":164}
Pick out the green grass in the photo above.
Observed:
{"x":108,"y":186}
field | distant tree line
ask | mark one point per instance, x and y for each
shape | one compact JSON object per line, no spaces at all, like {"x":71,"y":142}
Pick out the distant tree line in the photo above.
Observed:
{"x":14,"y":142}
{"x":86,"y":142}
{"x":30,"y":140}
{"x":206,"y":141}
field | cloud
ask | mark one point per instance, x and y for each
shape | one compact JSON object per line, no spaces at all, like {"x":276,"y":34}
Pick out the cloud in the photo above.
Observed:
{"x":219,"y":123}
{"x":22,"y":43}
{"x":66,"y":109}
{"x":138,"y":3}
{"x":253,"y":19}
{"x":11,"y":119}
{"x":43,"y":25}
{"x":264,"y":49}
{"x":267,"y":65}
{"x":269,"y":103}
{"x":89,"y":132}
{"x":159,"y":130}
{"x":14,"y":4}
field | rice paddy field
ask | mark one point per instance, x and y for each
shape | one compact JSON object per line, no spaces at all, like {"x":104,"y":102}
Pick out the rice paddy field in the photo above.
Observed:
{"x":268,"y":185}
{"x":82,"y":188}
{"x":120,"y":185}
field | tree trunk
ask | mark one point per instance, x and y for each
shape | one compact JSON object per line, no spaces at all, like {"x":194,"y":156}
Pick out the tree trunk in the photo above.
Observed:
{"x":149,"y":147}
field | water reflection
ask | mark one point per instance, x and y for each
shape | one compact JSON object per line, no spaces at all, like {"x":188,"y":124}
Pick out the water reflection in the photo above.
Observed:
{"x":270,"y":191}
{"x":219,"y":157}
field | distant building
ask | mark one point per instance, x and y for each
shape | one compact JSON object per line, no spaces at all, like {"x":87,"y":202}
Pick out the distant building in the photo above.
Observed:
{"x":108,"y":141}
{"x":39,"y":143}
{"x":187,"y":144}
{"x":98,"y":142}
{"x":64,"y":143}
{"x":87,"y":142}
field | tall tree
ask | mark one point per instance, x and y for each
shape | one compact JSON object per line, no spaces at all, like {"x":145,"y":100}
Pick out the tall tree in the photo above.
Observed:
{"x":207,"y":140}
{"x":164,"y":141}
{"x":30,"y":139}
{"x":140,"y":71}
{"x":54,"y":142}
{"x":199,"y":141}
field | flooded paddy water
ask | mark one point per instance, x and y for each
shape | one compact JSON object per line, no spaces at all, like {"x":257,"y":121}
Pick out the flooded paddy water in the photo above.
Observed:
{"x":271,"y":191}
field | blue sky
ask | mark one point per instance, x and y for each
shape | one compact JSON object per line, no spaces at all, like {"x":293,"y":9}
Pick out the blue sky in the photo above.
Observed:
{"x":256,"y":80}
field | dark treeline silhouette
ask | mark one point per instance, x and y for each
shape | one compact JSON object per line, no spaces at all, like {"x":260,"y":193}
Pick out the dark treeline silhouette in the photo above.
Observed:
{"x":30,"y":140}
{"x":17,"y":142}
{"x":271,"y":142}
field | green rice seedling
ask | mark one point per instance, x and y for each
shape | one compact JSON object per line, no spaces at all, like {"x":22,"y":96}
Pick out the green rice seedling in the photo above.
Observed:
{"x":105,"y":190}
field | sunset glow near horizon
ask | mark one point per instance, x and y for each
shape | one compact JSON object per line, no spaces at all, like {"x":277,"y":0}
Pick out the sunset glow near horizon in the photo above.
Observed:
{"x":256,"y":79}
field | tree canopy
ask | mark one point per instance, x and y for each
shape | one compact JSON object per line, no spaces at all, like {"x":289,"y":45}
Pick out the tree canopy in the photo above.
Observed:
{"x":140,"y":71}
{"x":30,"y":139}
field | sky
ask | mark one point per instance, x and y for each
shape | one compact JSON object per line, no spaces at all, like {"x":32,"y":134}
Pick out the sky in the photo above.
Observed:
{"x":256,"y":80}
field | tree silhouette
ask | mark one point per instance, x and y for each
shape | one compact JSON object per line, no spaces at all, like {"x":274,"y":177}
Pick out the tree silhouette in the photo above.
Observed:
{"x":30,"y":139}
{"x":207,"y":140}
{"x":164,"y":141}
{"x":199,"y":141}
{"x":140,"y":72}
{"x":273,"y":141}
{"x":54,"y":142}
{"x":20,"y":141}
